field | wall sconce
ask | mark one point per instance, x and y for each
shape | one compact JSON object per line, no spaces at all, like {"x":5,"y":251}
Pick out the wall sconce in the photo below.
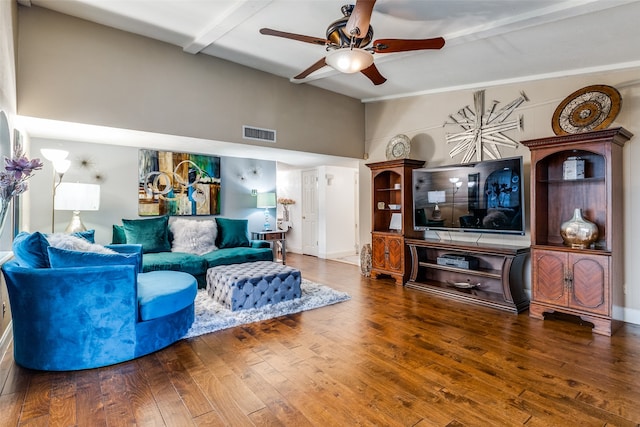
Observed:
{"x":254,"y":192}
{"x":329,"y":177}
{"x":266,"y":201}
{"x":77,"y":197}
{"x":58,"y":159}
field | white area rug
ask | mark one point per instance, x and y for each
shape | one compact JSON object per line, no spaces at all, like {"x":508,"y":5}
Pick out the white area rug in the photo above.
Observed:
{"x":211,"y":316}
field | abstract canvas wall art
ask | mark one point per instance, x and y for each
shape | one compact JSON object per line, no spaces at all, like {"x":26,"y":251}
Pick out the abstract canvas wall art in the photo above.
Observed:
{"x":172,"y":183}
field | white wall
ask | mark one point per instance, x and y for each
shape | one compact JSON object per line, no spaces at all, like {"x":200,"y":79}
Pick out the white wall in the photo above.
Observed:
{"x":422,"y":118}
{"x":118,"y":168}
{"x":338,"y":210}
{"x":289,"y":185}
{"x":8,"y":30}
{"x":338,"y":213}
{"x":7,"y":93}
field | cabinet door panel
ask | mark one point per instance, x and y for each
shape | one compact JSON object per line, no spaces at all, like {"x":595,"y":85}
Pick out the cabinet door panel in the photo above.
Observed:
{"x":549,"y":280}
{"x":590,"y":284}
{"x":395,"y":248}
{"x":378,"y":252}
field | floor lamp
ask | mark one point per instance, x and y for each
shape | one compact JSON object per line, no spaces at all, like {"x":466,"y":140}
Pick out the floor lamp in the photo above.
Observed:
{"x":58,"y":159}
{"x":456,"y":186}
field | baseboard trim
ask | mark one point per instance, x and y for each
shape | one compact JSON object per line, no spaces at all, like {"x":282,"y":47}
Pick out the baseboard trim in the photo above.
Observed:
{"x":5,"y":341}
{"x":631,"y":315}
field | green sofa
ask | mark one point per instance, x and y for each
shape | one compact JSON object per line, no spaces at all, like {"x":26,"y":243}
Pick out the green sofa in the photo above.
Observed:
{"x":160,"y":239}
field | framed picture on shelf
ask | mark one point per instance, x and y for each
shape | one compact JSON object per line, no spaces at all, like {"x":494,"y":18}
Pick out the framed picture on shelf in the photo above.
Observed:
{"x":396,"y":222}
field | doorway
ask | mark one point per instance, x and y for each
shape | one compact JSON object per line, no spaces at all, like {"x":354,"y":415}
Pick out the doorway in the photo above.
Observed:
{"x":310,"y":212}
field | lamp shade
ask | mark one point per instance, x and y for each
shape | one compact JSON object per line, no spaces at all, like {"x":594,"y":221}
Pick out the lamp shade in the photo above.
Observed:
{"x":436,"y":196}
{"x":53,"y":154}
{"x":61,"y":166}
{"x":349,"y":60}
{"x":266,"y":200}
{"x":77,"y":197}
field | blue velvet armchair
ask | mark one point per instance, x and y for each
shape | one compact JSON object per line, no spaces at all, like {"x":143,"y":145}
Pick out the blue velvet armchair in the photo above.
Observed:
{"x":73,"y":318}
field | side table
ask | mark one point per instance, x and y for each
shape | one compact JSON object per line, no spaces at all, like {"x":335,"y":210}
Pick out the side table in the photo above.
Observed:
{"x":278,"y":242}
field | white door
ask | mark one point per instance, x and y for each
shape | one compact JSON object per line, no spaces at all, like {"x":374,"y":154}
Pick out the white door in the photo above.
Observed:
{"x":310,"y":212}
{"x":356,"y":209}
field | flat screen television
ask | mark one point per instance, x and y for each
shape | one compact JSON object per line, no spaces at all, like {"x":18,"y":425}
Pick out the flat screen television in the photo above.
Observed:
{"x":481,"y":197}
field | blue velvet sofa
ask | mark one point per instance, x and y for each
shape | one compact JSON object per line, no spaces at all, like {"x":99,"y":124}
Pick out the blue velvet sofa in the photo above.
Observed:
{"x":230,"y":245}
{"x":75,"y":310}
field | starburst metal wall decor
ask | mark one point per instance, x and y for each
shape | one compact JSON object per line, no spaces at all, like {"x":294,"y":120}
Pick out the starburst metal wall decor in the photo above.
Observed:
{"x":483,"y":132}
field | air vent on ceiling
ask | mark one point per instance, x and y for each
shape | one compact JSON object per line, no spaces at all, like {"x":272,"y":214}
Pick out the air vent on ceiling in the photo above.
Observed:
{"x":258,"y":134}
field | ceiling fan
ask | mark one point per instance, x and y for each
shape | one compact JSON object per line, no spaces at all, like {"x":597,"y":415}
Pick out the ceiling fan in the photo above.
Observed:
{"x":347,"y":40}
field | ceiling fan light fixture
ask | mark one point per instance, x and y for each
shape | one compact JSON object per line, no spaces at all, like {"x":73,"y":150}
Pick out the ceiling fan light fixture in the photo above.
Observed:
{"x":349,"y":60}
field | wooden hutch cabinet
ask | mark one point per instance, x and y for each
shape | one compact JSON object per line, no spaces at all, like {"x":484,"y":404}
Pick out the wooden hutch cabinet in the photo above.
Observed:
{"x":392,"y":200}
{"x":584,"y":282}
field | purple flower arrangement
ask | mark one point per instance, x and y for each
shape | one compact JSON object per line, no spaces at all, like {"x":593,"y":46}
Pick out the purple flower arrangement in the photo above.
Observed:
{"x":17,"y":170}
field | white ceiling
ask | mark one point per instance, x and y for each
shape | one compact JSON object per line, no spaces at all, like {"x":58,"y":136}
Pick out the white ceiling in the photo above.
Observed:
{"x":487,"y":42}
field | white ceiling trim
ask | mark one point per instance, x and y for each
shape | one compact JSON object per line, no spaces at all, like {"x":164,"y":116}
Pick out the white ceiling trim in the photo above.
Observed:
{"x":557,"y":12}
{"x":474,"y":30}
{"x":544,"y":76}
{"x":235,"y":15}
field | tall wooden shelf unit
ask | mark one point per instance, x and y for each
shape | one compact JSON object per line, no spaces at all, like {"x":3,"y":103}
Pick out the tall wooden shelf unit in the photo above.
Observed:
{"x":390,"y":186}
{"x":583,"y":282}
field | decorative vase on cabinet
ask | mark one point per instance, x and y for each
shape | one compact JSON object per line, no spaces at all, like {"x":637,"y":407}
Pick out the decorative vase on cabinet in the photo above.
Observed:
{"x":584,"y":278}
{"x":391,"y":185}
{"x":578,"y":232}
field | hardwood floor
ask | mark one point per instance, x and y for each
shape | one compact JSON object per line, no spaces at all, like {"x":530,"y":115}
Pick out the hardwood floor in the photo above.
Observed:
{"x":389,"y":356}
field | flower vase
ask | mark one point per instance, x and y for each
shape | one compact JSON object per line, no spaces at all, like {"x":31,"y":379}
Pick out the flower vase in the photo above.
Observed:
{"x":285,"y":213}
{"x":578,"y":232}
{"x":4,"y":212}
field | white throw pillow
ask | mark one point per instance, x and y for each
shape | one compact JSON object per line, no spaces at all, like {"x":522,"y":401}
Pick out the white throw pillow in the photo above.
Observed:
{"x":74,"y":243}
{"x":194,"y":237}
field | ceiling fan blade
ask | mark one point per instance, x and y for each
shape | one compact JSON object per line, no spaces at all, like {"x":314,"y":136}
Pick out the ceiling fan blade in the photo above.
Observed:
{"x":404,"y":45}
{"x":374,"y":75}
{"x":321,"y":63}
{"x":358,"y":23}
{"x":292,"y":36}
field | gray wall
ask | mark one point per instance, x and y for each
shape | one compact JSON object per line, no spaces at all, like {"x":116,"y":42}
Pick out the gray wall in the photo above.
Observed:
{"x":422,"y":117}
{"x":118,"y":168}
{"x":77,"y":71}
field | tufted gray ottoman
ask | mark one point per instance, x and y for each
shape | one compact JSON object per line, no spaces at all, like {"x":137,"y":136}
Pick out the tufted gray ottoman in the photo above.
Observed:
{"x":252,"y":284}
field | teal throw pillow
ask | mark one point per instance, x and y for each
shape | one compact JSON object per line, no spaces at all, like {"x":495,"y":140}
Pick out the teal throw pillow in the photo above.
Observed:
{"x":152,"y":234}
{"x":117,"y":236}
{"x":232,"y":233}
{"x":61,"y":258}
{"x":123,"y":248}
{"x":88,"y":235}
{"x":30,"y":250}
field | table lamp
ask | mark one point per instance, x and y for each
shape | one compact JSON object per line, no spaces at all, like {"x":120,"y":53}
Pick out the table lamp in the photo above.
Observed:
{"x":436,"y":197}
{"x":77,"y":197}
{"x":266,"y":201}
